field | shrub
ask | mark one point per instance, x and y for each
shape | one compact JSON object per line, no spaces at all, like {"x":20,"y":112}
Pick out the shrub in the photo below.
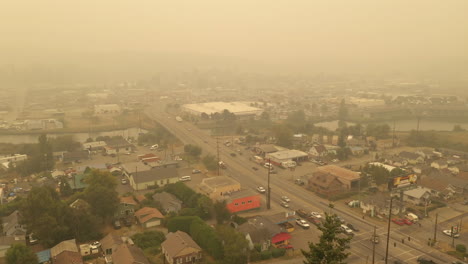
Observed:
{"x":258,"y":247}
{"x":460,"y":248}
{"x":238,"y":219}
{"x":265,"y":255}
{"x":278,"y":252}
{"x":255,"y":256}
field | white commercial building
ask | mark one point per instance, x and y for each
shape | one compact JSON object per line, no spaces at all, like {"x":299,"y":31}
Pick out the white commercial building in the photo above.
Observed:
{"x":237,"y":108}
{"x":107,"y":109}
{"x":286,"y":155}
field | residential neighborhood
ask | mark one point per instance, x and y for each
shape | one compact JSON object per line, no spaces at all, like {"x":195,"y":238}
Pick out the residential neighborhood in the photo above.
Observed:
{"x":234,"y":132}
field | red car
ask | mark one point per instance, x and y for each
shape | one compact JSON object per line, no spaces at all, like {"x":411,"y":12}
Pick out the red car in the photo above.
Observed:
{"x":398,"y":221}
{"x":407,"y":221}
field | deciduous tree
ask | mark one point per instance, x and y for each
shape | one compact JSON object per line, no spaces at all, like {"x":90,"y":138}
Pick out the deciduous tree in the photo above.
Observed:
{"x":101,"y":194}
{"x":20,"y":254}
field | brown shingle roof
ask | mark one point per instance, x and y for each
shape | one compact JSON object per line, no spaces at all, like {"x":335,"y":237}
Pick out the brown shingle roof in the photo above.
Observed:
{"x":68,"y":257}
{"x":339,"y":172}
{"x":67,"y":245}
{"x":127,"y":200}
{"x":178,"y":241}
{"x":147,"y":213}
{"x":129,"y":254}
{"x":323,"y":179}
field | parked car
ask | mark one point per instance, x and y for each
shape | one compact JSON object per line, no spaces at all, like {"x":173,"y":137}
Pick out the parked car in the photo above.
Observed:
{"x":299,"y":182}
{"x":407,"y":221}
{"x":154,"y":147}
{"x":375,"y":239}
{"x":423,"y":260}
{"x":398,"y":221}
{"x":95,"y":245}
{"x":285,"y":199}
{"x":302,"y":223}
{"x":127,"y":222}
{"x":185,"y":178}
{"x":124,"y":181}
{"x":233,"y":154}
{"x":254,"y":168}
{"x":117,"y":224}
{"x":284,"y":204}
{"x":196,"y":171}
{"x":341,"y":219}
{"x":355,"y":229}
{"x":314,"y":220}
{"x":449,"y":233}
{"x":316,"y":214}
{"x":32,"y":239}
{"x":260,"y":189}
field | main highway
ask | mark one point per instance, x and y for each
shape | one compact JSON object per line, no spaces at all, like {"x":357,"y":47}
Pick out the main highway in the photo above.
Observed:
{"x":240,"y":168}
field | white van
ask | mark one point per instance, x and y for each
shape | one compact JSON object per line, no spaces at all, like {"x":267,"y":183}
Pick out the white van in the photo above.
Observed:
{"x":412,"y":217}
{"x":185,"y":178}
{"x":155,"y":146}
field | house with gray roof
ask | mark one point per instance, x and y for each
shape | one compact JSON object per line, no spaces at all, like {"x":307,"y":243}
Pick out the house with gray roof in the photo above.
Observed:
{"x":411,"y":157}
{"x":417,"y":196}
{"x":260,"y":230}
{"x":168,"y":202}
{"x":12,"y":227}
{"x":142,"y":180}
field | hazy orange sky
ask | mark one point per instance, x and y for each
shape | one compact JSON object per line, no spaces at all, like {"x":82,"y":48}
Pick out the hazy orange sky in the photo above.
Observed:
{"x":264,"y":30}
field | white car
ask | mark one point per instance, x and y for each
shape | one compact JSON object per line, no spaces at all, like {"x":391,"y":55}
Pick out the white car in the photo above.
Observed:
{"x":260,"y":189}
{"x":316,"y":215}
{"x":124,"y":181}
{"x":302,"y":223}
{"x":284,"y":204}
{"x":95,"y":245}
{"x":156,"y":146}
{"x":346,"y":230}
{"x":285,"y":199}
{"x":449,"y":233}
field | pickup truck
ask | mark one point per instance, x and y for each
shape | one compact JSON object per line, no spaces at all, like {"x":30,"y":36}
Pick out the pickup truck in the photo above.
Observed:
{"x":302,"y":213}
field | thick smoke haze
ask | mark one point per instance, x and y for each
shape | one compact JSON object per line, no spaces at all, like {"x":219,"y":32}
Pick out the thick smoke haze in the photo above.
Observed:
{"x":305,"y":36}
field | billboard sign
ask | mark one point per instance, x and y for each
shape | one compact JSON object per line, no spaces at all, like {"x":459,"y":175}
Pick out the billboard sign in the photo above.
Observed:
{"x":403,"y":181}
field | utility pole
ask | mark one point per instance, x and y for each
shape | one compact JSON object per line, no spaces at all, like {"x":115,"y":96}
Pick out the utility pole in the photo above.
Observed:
{"x":388,"y":229}
{"x":135,"y":180}
{"x":373,"y":246}
{"x":460,"y":227}
{"x":269,"y":189}
{"x":453,"y":237}
{"x":435,"y":229}
{"x":217,"y":152}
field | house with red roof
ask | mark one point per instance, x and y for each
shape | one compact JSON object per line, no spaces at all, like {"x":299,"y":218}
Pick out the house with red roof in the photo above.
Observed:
{"x":149,"y":217}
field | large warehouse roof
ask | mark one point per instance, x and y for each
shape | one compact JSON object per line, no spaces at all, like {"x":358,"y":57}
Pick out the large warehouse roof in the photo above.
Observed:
{"x":287,"y":154}
{"x":238,"y":108}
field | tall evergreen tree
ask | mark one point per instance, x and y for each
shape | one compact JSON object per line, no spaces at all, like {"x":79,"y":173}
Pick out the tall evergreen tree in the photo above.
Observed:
{"x":331,"y":249}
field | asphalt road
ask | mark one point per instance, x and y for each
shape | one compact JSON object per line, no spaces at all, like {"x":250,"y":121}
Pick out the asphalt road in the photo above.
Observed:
{"x":240,"y":168}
